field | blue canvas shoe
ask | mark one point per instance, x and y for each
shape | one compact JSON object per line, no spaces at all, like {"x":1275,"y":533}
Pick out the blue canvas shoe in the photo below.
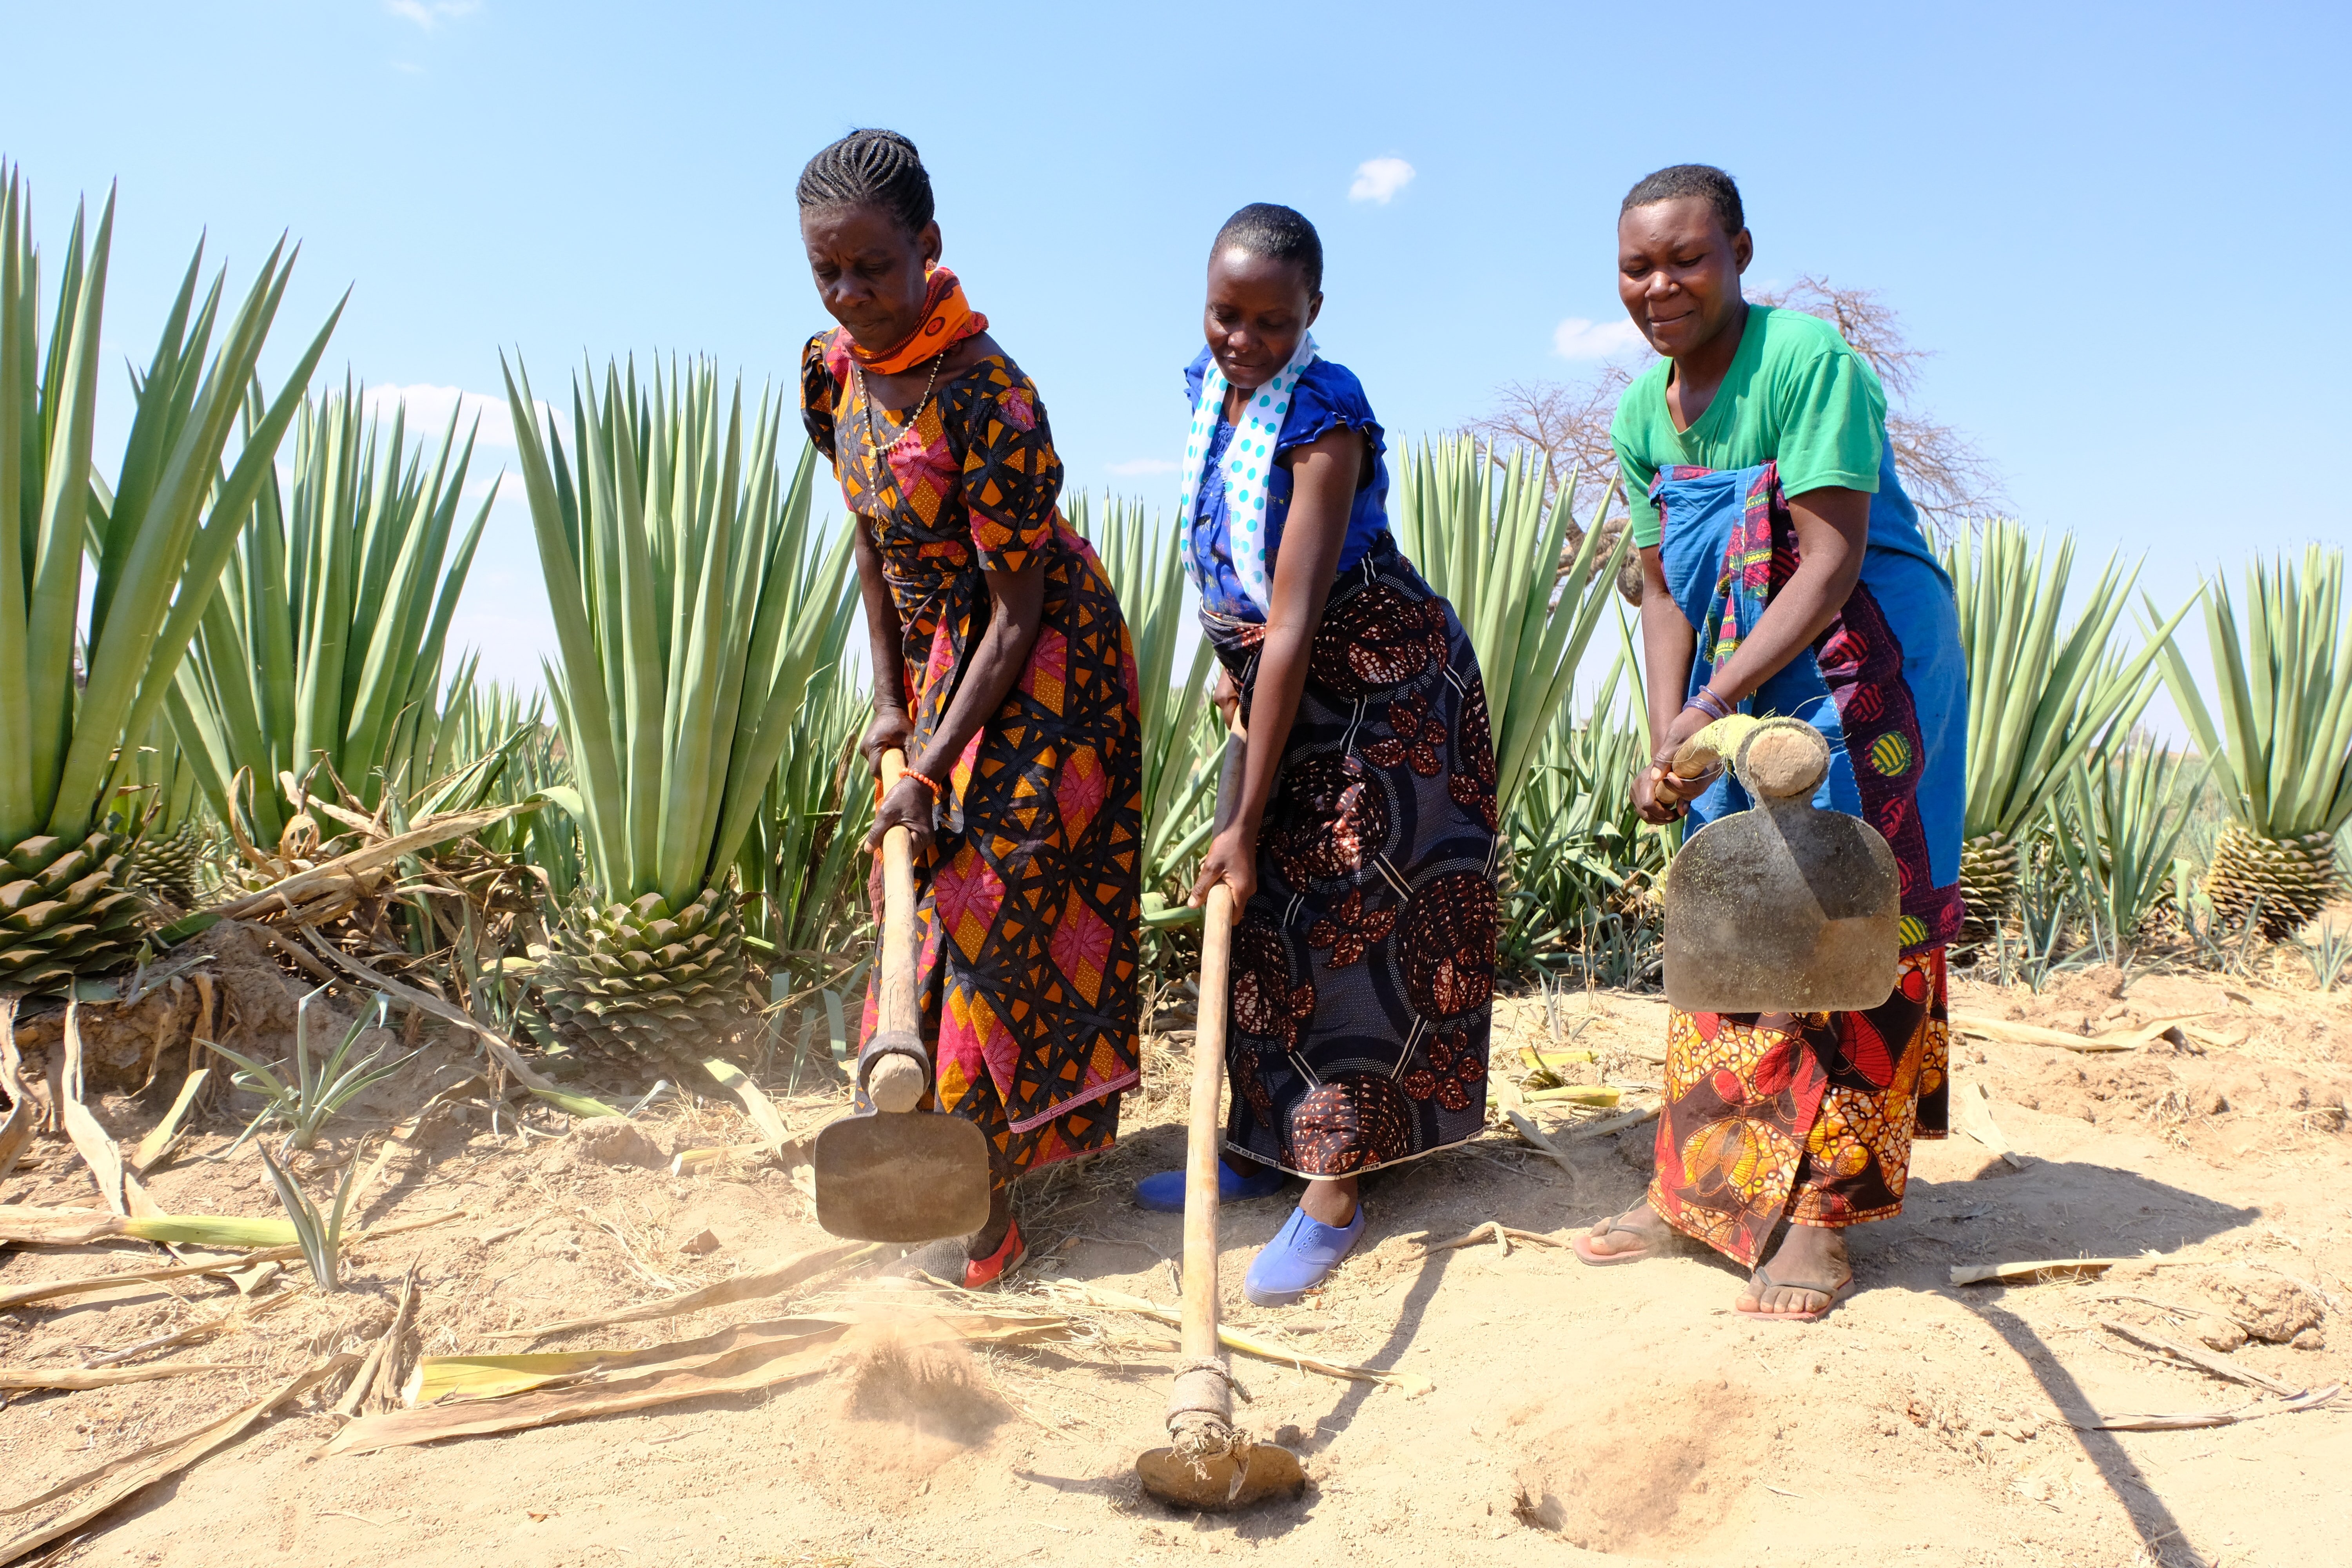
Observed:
{"x":1301,"y":1256}
{"x":1163,"y":1191}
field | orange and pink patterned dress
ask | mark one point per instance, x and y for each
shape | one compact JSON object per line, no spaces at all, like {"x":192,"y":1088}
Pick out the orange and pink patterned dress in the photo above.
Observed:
{"x":1030,"y":898}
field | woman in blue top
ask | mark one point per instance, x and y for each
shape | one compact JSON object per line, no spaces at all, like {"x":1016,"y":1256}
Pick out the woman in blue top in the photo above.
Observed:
{"x":1357,"y":818}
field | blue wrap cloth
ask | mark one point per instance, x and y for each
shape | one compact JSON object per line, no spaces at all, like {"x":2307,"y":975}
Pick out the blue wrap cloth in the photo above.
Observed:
{"x":1893,"y":705}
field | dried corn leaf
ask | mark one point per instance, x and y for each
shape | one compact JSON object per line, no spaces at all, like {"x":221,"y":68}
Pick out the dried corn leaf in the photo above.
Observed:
{"x":762,"y":1109}
{"x":30,"y":1227}
{"x":1972,"y":1108}
{"x":2033,"y":1273}
{"x":164,"y":1137}
{"x":16,"y":1131}
{"x":762,"y":1365}
{"x":1592,"y":1096}
{"x":752,"y":1286}
{"x":243,"y":1312}
{"x":51,"y":1289}
{"x":76,"y":1227}
{"x":15,"y":1378}
{"x":481,"y":1394}
{"x":1542,"y":1059}
{"x":459,"y":1378}
{"x":133,"y":1473}
{"x":2018,"y":1034}
{"x":95,"y":1144}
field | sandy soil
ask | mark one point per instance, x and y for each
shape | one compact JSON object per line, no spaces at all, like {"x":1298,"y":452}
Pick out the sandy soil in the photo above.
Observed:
{"x":1627,"y":1412}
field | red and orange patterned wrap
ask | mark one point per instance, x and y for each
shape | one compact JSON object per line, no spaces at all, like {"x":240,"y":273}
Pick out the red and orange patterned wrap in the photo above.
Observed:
{"x":1030,"y":898}
{"x":1814,"y":1120}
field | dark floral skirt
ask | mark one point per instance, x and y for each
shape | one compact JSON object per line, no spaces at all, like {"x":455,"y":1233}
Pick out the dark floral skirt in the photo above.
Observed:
{"x":1364,"y":967}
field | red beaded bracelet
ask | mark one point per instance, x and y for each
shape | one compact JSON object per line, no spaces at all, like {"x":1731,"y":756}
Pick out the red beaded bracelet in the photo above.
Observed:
{"x":938,"y":790}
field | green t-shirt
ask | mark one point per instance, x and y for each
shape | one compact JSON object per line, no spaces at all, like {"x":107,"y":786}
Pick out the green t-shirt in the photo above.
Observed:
{"x":1797,"y":395}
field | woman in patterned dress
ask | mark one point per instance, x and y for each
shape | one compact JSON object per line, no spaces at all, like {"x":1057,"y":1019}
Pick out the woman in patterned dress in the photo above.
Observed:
{"x":1772,"y":526}
{"x":1356,"y":819}
{"x":1002,"y":669}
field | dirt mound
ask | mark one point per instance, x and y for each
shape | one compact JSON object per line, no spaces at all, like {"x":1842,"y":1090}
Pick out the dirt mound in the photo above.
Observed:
{"x":1652,"y":1488}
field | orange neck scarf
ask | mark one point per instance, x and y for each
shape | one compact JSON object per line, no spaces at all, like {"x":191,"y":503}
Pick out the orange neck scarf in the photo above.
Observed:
{"x":948,"y":320}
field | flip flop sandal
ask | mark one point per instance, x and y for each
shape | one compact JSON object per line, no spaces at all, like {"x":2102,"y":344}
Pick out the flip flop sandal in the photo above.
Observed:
{"x":1834,"y":1293}
{"x":1609,"y":1260}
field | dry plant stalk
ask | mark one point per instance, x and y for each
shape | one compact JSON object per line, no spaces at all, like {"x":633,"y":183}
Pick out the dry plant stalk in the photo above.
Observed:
{"x":52,"y":1290}
{"x":165,"y":1136}
{"x":2188,"y":1420}
{"x":16,"y":1131}
{"x":135,"y":1472}
{"x":1494,"y":1230}
{"x":243,"y":1312}
{"x":751,"y":1286}
{"x":2204,"y":1361}
{"x":14,"y":1379}
{"x":2062,"y":1268}
{"x":91,"y":1141}
{"x":1412,"y":1383}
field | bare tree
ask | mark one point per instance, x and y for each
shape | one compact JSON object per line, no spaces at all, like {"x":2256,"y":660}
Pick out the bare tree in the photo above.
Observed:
{"x":1947,"y":474}
{"x":1948,"y":477}
{"x":1569,"y":422}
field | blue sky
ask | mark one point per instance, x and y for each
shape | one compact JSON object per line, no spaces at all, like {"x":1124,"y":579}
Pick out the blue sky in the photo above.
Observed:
{"x":2116,"y":226}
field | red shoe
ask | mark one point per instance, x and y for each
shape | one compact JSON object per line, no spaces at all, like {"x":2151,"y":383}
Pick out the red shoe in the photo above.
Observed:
{"x":978,"y":1273}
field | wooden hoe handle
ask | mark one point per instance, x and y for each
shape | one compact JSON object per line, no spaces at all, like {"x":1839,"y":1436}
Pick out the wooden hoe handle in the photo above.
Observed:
{"x":894,"y":1081}
{"x":1200,"y":1332}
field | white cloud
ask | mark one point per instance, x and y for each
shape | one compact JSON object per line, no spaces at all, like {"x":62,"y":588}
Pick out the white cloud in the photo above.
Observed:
{"x":1577,"y":338}
{"x":429,"y":408}
{"x":1380,"y":179}
{"x":430,"y":14}
{"x":1135,"y":465}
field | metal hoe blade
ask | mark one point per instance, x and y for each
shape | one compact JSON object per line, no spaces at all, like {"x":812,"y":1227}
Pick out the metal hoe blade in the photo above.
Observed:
{"x":1782,"y":907}
{"x":901,"y":1176}
{"x":1249,"y":1473}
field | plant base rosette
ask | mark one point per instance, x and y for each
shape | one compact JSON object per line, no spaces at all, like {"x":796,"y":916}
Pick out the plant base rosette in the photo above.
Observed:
{"x":2292,"y":877}
{"x":67,"y":908}
{"x":1988,"y":883}
{"x":644,"y":984}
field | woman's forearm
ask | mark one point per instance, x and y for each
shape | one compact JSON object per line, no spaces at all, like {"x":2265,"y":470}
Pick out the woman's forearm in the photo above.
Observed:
{"x":882,"y":633}
{"x":1667,"y":647}
{"x":997,"y":664}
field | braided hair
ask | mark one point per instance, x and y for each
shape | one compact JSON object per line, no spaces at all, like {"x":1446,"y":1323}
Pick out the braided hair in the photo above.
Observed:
{"x":1277,"y":233}
{"x":1702,"y":180}
{"x":870,"y":168}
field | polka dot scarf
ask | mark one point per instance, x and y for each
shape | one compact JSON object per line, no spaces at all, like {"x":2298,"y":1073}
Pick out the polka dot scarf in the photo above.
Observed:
{"x":1249,"y":461}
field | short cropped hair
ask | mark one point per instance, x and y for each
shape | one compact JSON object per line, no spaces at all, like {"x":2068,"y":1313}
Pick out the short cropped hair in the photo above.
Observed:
{"x":1278,"y":234}
{"x":1703,"y":180}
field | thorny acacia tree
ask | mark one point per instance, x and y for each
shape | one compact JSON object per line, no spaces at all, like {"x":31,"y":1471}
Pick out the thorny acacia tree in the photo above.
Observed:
{"x":1949,"y":479}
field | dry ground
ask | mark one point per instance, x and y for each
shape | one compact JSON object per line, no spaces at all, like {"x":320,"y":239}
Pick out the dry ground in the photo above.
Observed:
{"x":1576,"y":1414}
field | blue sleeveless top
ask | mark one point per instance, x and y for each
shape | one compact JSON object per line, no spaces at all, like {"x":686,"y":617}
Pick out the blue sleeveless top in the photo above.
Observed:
{"x":1328,"y":397}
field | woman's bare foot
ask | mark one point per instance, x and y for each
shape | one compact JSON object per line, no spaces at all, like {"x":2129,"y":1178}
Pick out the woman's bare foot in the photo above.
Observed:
{"x":1637,"y":1232}
{"x":1805,"y":1277}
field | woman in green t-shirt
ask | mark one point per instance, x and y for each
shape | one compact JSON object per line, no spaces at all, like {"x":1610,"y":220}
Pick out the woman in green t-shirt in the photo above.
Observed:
{"x":1784,"y":571}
